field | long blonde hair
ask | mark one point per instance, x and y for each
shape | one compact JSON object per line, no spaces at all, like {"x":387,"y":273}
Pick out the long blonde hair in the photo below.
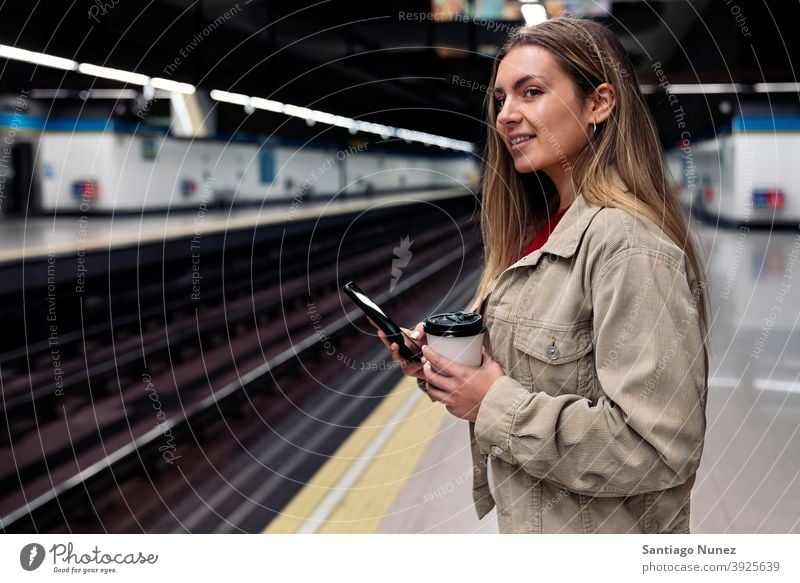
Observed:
{"x":514,"y":205}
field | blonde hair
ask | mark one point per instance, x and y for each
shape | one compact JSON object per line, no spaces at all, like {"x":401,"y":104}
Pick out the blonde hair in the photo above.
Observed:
{"x":514,"y":205}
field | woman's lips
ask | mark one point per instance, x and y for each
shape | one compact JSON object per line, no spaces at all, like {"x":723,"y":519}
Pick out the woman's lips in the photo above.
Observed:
{"x":522,"y":143}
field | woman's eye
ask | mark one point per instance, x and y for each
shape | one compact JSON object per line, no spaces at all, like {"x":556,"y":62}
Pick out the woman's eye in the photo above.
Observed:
{"x":532,"y":92}
{"x":498,"y":101}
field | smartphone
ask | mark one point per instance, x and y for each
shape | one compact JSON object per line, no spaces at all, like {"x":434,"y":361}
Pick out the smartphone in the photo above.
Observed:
{"x":384,"y":322}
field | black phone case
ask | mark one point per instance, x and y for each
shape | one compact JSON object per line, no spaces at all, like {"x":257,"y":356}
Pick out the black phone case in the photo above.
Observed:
{"x":392,"y":330}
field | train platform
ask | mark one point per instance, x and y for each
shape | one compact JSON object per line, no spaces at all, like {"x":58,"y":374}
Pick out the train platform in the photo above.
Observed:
{"x":66,"y":234}
{"x":407,"y":468}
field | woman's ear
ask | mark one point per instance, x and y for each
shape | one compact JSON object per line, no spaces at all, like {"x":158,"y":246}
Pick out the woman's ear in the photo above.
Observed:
{"x":601,"y":103}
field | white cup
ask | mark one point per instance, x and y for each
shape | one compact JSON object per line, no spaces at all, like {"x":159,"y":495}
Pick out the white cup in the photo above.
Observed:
{"x":457,"y":336}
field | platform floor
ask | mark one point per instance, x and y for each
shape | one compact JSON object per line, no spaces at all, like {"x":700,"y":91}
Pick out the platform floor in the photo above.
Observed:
{"x":408,"y":471}
{"x":66,"y":234}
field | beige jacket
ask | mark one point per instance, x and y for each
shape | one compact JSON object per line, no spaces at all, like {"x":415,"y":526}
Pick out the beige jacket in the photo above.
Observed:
{"x":598,"y":423}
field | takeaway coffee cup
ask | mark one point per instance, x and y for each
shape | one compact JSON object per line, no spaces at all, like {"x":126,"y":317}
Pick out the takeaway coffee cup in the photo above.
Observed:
{"x":457,"y":335}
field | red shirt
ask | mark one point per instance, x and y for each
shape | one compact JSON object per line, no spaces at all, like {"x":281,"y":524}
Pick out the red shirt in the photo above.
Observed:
{"x":540,"y":238}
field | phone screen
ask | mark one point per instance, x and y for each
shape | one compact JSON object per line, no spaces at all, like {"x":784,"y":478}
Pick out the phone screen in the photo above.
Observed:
{"x":364,"y":298}
{"x":383,"y":321}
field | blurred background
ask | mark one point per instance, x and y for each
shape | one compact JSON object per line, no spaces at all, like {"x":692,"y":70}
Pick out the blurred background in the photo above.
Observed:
{"x":185,"y":186}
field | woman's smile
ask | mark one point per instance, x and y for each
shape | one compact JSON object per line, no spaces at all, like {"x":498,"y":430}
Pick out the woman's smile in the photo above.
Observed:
{"x":519,"y":141}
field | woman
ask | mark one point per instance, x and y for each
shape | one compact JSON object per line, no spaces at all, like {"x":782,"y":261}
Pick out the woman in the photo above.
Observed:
{"x":590,"y":402}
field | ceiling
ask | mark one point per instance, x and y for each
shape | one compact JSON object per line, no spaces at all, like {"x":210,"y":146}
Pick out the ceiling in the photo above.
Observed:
{"x":378,"y":62}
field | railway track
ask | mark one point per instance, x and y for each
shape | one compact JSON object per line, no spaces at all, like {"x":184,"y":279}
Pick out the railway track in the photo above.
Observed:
{"x":186,"y":392}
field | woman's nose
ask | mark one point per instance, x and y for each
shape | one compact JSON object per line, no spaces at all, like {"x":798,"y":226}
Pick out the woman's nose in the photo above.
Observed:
{"x":508,"y":113}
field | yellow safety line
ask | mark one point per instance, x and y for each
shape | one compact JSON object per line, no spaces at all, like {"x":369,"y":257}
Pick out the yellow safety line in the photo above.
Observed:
{"x":373,"y":494}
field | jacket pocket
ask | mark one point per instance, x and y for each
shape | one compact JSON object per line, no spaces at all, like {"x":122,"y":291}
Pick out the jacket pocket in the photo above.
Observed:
{"x":554,"y":358}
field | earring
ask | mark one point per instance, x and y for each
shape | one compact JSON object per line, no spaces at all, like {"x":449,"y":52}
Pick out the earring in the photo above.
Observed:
{"x":594,"y":128}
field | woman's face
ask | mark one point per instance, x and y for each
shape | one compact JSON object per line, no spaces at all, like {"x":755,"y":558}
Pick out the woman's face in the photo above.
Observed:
{"x":541,"y":117}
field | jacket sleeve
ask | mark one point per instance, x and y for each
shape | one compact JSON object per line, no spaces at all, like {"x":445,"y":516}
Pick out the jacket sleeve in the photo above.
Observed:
{"x":645,"y":432}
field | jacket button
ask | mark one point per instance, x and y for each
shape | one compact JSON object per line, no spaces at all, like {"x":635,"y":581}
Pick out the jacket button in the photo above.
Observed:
{"x":497,"y":450}
{"x":552,"y":352}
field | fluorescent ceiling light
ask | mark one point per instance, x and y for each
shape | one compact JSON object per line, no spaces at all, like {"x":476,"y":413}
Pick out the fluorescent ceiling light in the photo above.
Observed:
{"x":37,"y":58}
{"x":338,"y":120}
{"x":113,"y":74}
{"x":534,"y":14}
{"x":705,"y":88}
{"x":115,"y":94}
{"x":112,"y":94}
{"x":776,"y":87}
{"x":267,"y":104}
{"x":228,"y":97}
{"x":694,"y":88}
{"x":170,"y":85}
{"x":344,"y":122}
{"x":296,"y":111}
{"x":51,"y":93}
{"x":246,"y":101}
{"x":323,"y":117}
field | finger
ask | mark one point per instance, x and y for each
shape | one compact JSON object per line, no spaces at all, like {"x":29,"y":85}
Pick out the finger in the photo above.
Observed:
{"x":444,"y":364}
{"x":419,"y":336}
{"x":409,"y":367}
{"x":399,"y":357}
{"x":489,"y":363}
{"x":436,"y":394}
{"x":441,"y":381}
{"x":395,"y":347}
{"x":412,"y":343}
{"x":419,"y":331}
{"x":384,"y":339}
{"x":391,"y":345}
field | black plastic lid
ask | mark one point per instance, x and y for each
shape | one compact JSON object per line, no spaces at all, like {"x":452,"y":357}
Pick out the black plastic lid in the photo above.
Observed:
{"x":456,"y":324}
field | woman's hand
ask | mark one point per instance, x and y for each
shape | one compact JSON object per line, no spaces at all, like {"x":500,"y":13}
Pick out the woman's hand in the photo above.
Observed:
{"x":410,"y":368}
{"x":459,"y":388}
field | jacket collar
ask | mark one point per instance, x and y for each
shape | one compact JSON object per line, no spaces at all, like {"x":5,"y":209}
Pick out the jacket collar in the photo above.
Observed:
{"x":564,"y":239}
